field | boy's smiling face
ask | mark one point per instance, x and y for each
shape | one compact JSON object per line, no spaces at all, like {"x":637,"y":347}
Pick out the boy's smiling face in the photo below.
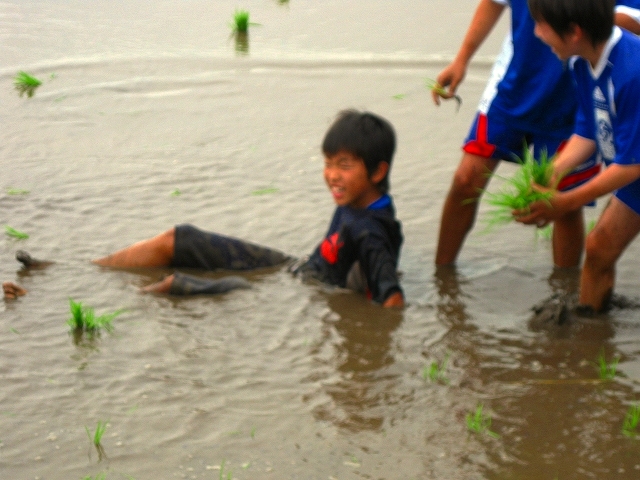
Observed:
{"x":349,"y":182}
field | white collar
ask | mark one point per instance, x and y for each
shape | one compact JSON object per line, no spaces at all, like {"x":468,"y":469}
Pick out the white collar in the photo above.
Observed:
{"x":604,"y":57}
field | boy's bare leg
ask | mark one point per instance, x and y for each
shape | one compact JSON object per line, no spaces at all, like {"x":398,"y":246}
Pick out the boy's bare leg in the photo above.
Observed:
{"x":617,"y":227}
{"x":568,"y":240}
{"x":12,"y":290}
{"x":153,"y":252}
{"x":458,"y":212}
{"x":163,"y":286}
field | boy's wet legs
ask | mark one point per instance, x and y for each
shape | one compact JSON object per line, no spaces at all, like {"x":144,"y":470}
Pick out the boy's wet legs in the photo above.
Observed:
{"x":153,"y":252}
{"x":459,"y":210}
{"x":617,"y":227}
{"x":568,"y":240}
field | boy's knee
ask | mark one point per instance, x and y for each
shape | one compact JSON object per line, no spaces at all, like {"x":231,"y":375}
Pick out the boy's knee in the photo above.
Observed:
{"x":598,"y":251}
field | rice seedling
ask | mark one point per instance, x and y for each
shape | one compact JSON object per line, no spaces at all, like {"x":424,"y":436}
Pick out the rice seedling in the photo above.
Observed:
{"x":265,"y":191}
{"x":518,"y":193}
{"x":100,"y":476}
{"x":176,"y":192}
{"x":241,"y":22}
{"x":84,"y":319}
{"x":436,"y":87}
{"x":479,"y":422}
{"x":631,"y":421}
{"x":26,"y":83}
{"x":435,"y":372}
{"x":606,"y":371}
{"x":96,"y":438}
{"x":229,"y":475}
{"x":17,"y":191}
{"x":12,"y":232}
{"x":399,"y":96}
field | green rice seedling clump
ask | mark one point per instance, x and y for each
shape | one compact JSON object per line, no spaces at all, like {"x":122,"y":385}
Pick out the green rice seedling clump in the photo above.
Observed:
{"x":518,"y":193}
{"x":96,"y":438}
{"x":241,"y":21}
{"x":631,"y":421}
{"x":84,"y":319}
{"x":479,"y":422}
{"x":436,"y":371}
{"x":12,"y":232}
{"x":26,"y":83}
{"x":607,"y":371}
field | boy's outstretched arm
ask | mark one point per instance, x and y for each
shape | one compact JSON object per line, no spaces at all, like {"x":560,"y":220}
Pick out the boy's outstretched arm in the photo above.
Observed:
{"x":484,"y":19}
{"x":394,"y":300}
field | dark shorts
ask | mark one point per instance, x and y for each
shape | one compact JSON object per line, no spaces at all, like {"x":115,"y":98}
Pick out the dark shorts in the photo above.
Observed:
{"x":493,"y":137}
{"x":195,"y":248}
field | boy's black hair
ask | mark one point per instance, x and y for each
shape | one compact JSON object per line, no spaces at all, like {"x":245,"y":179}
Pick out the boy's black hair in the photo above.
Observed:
{"x":594,"y":17}
{"x":364,"y":135}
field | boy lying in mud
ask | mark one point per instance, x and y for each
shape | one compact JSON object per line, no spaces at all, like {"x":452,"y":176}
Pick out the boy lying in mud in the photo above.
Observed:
{"x":360,"y":250}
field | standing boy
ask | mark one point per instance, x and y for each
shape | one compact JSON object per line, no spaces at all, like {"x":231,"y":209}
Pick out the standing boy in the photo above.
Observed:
{"x":605,"y":67}
{"x":363,"y":240}
{"x":528,"y":99}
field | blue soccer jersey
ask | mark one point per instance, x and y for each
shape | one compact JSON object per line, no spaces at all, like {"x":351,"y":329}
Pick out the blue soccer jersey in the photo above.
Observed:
{"x":529,"y":85}
{"x":630,"y":8}
{"x":609,"y":105}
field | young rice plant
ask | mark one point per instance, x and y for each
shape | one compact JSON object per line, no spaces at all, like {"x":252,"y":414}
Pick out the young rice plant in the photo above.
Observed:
{"x":84,"y":319}
{"x":96,"y":438}
{"x":606,"y":371}
{"x":479,"y":422}
{"x":436,"y":371}
{"x":26,"y":83}
{"x":241,"y":22}
{"x":12,"y":232}
{"x":631,"y":420}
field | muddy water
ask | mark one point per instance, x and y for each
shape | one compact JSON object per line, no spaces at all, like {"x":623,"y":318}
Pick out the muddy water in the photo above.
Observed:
{"x":285,"y":380}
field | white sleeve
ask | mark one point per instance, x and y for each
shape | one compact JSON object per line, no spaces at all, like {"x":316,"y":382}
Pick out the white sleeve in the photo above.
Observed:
{"x":628,"y":11}
{"x":502,"y":2}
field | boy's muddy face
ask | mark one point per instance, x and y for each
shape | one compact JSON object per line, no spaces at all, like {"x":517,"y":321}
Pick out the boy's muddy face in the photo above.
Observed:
{"x":348,"y":181}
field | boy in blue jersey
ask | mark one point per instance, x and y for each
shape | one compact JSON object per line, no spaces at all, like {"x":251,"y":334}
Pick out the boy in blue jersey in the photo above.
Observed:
{"x":363,"y":240}
{"x":605,"y":68}
{"x":528,"y":99}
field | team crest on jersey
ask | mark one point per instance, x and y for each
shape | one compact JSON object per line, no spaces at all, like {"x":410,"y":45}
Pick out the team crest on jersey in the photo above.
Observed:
{"x":604,"y":129}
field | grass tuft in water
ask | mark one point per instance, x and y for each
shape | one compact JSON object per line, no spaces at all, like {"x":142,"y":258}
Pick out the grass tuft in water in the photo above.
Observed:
{"x":631,"y":421}
{"x":229,"y":475}
{"x":12,"y":232}
{"x":96,"y":438}
{"x":479,"y":422}
{"x":436,"y":87}
{"x":518,"y":192}
{"x":26,"y":83}
{"x":17,"y":191}
{"x":99,"y":476}
{"x":84,"y":319}
{"x":606,"y":371}
{"x":241,"y":22}
{"x":436,"y":371}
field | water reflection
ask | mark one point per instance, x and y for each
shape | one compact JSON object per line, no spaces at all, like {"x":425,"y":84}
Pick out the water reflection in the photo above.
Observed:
{"x":241,"y":42}
{"x":363,"y":386}
{"x":451,"y":303}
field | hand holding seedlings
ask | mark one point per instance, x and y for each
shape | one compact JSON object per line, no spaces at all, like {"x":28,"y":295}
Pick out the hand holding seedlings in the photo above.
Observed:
{"x":438,"y":91}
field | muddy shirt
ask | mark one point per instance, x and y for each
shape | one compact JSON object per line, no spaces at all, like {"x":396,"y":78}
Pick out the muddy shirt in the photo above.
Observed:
{"x":369,"y":237}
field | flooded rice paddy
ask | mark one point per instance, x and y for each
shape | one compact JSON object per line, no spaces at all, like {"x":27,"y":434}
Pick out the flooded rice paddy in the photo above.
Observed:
{"x":152,"y":114}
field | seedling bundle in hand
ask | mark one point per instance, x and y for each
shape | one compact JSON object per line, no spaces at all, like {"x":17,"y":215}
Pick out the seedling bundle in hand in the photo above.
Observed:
{"x":436,"y":87}
{"x":518,"y":193}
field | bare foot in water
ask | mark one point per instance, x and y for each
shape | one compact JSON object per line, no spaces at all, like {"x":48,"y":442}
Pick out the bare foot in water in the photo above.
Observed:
{"x":12,"y":290}
{"x":163,"y":286}
{"x":29,"y":262}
